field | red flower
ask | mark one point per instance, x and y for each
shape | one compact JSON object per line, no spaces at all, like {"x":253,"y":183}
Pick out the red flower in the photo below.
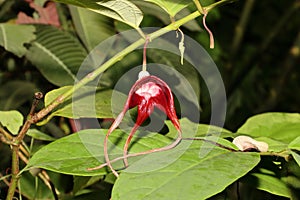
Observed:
{"x":147,"y":93}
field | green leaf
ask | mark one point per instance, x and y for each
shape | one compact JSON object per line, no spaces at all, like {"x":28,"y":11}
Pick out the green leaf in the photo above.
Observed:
{"x":86,"y":102}
{"x":266,"y":180}
{"x":154,"y":10}
{"x":283,"y":127}
{"x":34,"y":188}
{"x":36,"y":134}
{"x":172,"y":7}
{"x":12,"y":120}
{"x":15,"y":93}
{"x":57,"y":55}
{"x":121,"y":10}
{"x":75,"y":153}
{"x":295,"y":144}
{"x":192,"y":129}
{"x":274,"y":145}
{"x":296,"y":156}
{"x":188,"y":177}
{"x":81,"y":182}
{"x":13,"y":37}
{"x":91,"y":27}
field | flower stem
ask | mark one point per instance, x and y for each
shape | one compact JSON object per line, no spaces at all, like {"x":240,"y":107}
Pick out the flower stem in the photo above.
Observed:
{"x":145,"y":55}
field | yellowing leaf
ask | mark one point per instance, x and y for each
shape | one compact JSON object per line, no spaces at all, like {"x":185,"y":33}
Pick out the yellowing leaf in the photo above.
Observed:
{"x":12,"y":120}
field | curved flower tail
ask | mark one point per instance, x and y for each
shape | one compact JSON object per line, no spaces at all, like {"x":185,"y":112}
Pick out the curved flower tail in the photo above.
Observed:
{"x":110,"y":130}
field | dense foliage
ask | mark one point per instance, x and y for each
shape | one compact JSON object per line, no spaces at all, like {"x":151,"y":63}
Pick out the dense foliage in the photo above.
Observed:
{"x":44,"y":46}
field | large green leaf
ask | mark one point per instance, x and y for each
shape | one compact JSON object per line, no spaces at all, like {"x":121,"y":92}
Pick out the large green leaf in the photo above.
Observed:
{"x":121,"y":10}
{"x":91,"y":27}
{"x":12,"y":120}
{"x":296,"y":156}
{"x":57,"y":55}
{"x":75,"y":153}
{"x":274,"y":145}
{"x":295,"y":144}
{"x":86,"y":102}
{"x":172,"y":7}
{"x":85,"y":148}
{"x":81,"y":182}
{"x":13,"y":94}
{"x":267,"y":180}
{"x":191,"y":129}
{"x":188,"y":177}
{"x":282,"y":127}
{"x":33,"y":187}
{"x":153,"y":9}
{"x":13,"y":37}
{"x":36,"y":134}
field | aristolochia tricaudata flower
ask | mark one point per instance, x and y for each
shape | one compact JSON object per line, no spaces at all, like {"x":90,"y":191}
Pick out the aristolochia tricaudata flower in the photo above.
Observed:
{"x":148,"y":92}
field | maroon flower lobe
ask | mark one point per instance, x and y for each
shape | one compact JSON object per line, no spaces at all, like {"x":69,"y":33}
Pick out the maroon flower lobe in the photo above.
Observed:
{"x":149,"y":92}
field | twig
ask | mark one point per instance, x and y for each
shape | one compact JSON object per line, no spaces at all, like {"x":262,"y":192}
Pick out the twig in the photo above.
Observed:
{"x":4,"y":139}
{"x":44,"y":176}
{"x":4,"y":178}
{"x":16,"y":142}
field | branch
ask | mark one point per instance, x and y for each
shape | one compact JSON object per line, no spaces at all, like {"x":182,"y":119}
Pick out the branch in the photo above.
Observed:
{"x":16,"y":143}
